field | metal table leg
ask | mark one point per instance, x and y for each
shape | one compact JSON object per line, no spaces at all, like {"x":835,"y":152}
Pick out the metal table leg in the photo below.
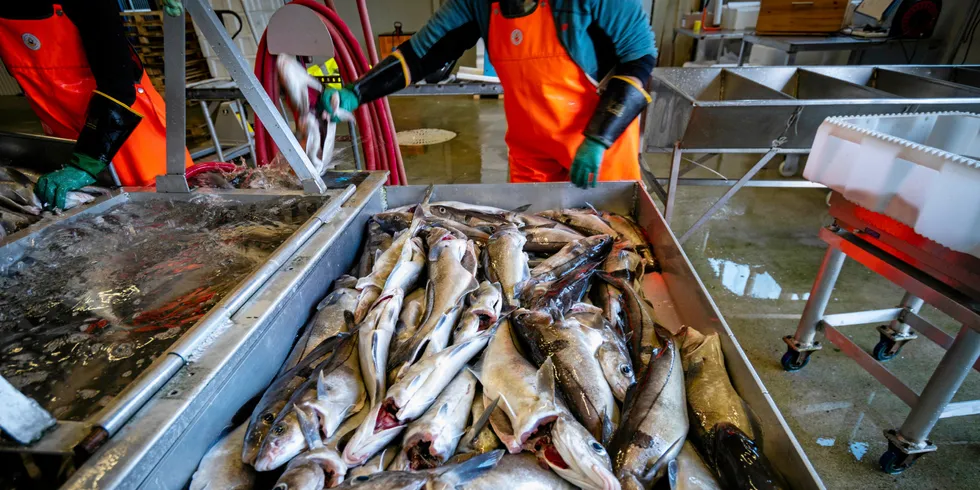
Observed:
{"x":910,"y":441}
{"x":743,"y":52}
{"x":354,"y":145}
{"x":212,"y":131}
{"x":801,"y":344}
{"x":239,"y":108}
{"x":791,"y":58}
{"x":174,"y":68}
{"x":675,"y":166}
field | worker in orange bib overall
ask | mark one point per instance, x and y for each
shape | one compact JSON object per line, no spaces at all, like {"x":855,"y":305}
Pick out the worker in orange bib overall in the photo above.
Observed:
{"x":84,"y":81}
{"x":549,"y":55}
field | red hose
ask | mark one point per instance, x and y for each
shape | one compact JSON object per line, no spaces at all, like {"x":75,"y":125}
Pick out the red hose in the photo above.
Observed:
{"x":373,"y":119}
{"x":368,"y":35}
{"x":209,"y":167}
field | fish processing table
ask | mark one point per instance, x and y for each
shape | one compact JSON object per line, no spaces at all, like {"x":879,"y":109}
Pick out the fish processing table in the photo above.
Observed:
{"x":929,"y":273}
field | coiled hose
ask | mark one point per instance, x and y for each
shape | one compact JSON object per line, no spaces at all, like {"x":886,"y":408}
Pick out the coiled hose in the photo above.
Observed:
{"x":374,"y":121}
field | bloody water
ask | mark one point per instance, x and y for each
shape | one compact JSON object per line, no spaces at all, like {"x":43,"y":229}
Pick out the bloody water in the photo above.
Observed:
{"x":86,"y":305}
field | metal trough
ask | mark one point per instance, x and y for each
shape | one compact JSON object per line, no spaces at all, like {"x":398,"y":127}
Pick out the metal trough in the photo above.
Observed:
{"x":162,"y":445}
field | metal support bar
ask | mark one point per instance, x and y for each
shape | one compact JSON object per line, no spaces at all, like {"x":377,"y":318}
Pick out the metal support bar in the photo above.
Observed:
{"x":913,"y":304}
{"x":823,"y":286}
{"x":942,"y":385}
{"x":788,"y":184}
{"x":872,"y":366}
{"x":355,"y":144}
{"x":728,"y":194}
{"x":931,"y":332}
{"x":960,"y":409}
{"x":652,"y":183}
{"x":211,"y":130}
{"x":862,"y":317}
{"x":239,"y":109}
{"x":21,"y":417}
{"x":174,"y":69}
{"x":691,"y":165}
{"x":265,"y":110}
{"x":675,"y":165}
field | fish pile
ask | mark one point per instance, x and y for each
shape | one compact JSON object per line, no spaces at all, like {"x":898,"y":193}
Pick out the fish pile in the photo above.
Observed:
{"x":20,"y":207}
{"x":476,"y":347}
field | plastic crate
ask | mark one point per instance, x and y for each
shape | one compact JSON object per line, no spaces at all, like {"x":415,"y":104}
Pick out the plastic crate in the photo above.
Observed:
{"x":920,"y":169}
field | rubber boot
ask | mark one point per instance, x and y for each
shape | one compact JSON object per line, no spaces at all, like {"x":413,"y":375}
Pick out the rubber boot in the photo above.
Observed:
{"x":107,"y":126}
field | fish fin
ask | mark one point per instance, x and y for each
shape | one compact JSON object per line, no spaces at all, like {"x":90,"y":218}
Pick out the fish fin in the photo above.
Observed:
{"x":443,"y":410}
{"x":457,"y":475}
{"x":477,"y":369}
{"x":481,"y":423}
{"x":417,"y":218}
{"x":427,"y":197}
{"x":521,"y":209}
{"x":322,"y":388}
{"x":506,"y":408}
{"x":309,"y":426}
{"x":328,"y":299}
{"x":545,"y":379}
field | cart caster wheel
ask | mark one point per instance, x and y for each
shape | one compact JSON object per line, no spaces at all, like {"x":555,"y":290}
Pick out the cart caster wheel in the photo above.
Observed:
{"x":789,"y":167}
{"x":895,"y":462}
{"x":880,"y":352}
{"x":794,"y":360}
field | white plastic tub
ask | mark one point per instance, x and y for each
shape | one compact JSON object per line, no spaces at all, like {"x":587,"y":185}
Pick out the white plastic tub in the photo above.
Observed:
{"x":920,"y":169}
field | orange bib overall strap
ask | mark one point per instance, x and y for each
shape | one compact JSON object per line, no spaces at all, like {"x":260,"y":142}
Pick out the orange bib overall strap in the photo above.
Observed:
{"x":46,"y":58}
{"x":549,"y":101}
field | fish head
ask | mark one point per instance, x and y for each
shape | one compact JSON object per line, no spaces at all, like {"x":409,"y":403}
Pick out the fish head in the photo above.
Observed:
{"x":328,"y":460}
{"x":337,"y":397}
{"x":258,"y":428}
{"x":374,"y":433}
{"x":577,"y":457}
{"x":616,"y":368}
{"x":283,"y":442}
{"x":305,"y":476}
{"x":423,"y":452}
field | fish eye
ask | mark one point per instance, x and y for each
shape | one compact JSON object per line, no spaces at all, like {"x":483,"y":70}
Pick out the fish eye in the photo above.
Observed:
{"x":278,"y":429}
{"x":268,"y":417}
{"x":362,"y":478}
{"x":626,"y":369}
{"x":598,"y":448}
{"x":281,"y":486}
{"x":441,"y":209}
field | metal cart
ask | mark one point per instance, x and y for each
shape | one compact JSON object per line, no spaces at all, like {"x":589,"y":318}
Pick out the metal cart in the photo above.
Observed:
{"x":929,"y":273}
{"x":708,"y":111}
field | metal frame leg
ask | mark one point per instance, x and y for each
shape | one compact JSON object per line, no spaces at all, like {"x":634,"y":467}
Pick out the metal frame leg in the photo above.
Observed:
{"x":675,"y":166}
{"x":214,"y":134}
{"x":911,"y":441}
{"x":355,"y":145}
{"x":726,"y":197}
{"x":174,"y":69}
{"x":897,"y":333}
{"x":791,"y":59}
{"x":265,"y":109}
{"x":801,"y":344}
{"x":239,"y":109}
{"x":743,"y":52}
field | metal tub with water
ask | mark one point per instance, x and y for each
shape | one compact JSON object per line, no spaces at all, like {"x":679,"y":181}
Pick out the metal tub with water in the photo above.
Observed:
{"x":144,"y":455}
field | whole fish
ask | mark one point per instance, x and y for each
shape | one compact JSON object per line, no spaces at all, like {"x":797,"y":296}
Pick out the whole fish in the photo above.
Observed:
{"x":689,"y":471}
{"x":274,"y":400}
{"x":641,"y":323}
{"x":548,"y":239}
{"x":479,"y":436}
{"x":335,"y":393}
{"x":711,"y":397}
{"x":20,"y":193}
{"x":320,"y":466}
{"x":632,"y":233}
{"x":413,"y":310}
{"x":740,"y":462}
{"x":622,"y":262}
{"x":222,"y":466}
{"x":432,"y":438}
{"x":571,"y":452}
{"x":408,"y":268}
{"x":482,"y":312}
{"x":12,"y":205}
{"x":408,"y":399}
{"x":377,"y":241}
{"x":374,"y":340}
{"x":448,"y":283}
{"x":654,"y":424}
{"x":586,"y":221}
{"x":507,"y":262}
{"x":475,"y":234}
{"x":445,"y":477}
{"x":394,"y":221}
{"x":575,"y":258}
{"x":372,"y":284}
{"x":610,"y":349}
{"x":328,"y":320}
{"x":11,"y":221}
{"x":577,"y":368}
{"x":519,"y":472}
{"x":527,"y":395}
{"x":483,"y":217}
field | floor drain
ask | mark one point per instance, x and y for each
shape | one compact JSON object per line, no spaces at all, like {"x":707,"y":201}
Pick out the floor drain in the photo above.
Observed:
{"x":424,"y":137}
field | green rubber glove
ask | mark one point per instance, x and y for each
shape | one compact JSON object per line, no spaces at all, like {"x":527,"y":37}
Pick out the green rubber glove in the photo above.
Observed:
{"x":347,"y":101}
{"x":585,"y":166}
{"x":52,"y":188}
{"x":173,"y":8}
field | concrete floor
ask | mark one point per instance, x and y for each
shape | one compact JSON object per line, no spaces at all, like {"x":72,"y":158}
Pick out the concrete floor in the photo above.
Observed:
{"x":757,"y":257}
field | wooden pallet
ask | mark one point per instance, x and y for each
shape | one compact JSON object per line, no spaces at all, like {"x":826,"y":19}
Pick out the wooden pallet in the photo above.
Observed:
{"x":145,"y":33}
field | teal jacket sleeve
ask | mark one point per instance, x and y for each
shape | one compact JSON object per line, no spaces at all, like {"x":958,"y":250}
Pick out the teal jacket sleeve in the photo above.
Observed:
{"x":454,"y":28}
{"x":627,"y":26}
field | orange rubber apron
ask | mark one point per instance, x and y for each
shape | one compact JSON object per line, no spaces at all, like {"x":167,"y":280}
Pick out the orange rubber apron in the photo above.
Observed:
{"x":46,"y":58}
{"x":549,"y":101}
